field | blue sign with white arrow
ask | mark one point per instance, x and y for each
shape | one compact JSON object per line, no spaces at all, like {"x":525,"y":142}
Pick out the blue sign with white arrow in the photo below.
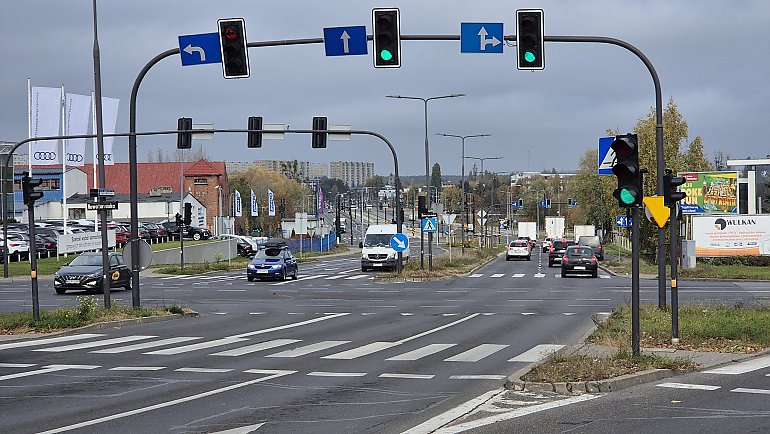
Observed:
{"x":481,"y":37}
{"x":345,"y":41}
{"x":200,"y":49}
{"x":399,"y":242}
{"x":623,"y":221}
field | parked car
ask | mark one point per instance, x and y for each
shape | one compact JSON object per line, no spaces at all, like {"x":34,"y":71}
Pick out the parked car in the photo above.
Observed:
{"x":579,"y":259}
{"x":547,"y":244}
{"x":16,"y":245}
{"x":274,"y":261}
{"x":49,"y":244}
{"x":193,"y":232}
{"x":85,"y":273}
{"x":593,"y":242}
{"x":121,"y":233}
{"x":518,"y":249}
{"x":247,"y":247}
{"x":556,"y":252}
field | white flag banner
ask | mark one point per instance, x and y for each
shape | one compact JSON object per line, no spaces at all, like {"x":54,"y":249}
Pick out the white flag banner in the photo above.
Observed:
{"x":109,"y":120}
{"x":270,"y":203}
{"x":45,"y":117}
{"x":238,"y":210}
{"x":254,"y":207}
{"x":77,"y":112}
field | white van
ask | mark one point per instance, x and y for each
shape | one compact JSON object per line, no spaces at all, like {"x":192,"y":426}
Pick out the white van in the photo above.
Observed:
{"x":376,"y":251}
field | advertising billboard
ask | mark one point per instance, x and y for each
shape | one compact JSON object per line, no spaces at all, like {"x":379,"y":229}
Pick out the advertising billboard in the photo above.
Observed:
{"x":743,"y":235}
{"x":710,"y":193}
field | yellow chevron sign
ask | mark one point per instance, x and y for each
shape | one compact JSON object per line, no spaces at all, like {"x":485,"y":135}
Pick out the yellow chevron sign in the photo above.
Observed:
{"x":659,"y":211}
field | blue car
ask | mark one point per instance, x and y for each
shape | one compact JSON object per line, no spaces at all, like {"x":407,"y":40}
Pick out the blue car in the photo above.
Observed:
{"x":275,"y":262}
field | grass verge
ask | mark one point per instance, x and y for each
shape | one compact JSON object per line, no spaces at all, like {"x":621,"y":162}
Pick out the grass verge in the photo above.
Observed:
{"x":175,"y":244}
{"x":87,"y":312}
{"x":443,"y":267}
{"x":718,"y":328}
{"x":237,"y":263}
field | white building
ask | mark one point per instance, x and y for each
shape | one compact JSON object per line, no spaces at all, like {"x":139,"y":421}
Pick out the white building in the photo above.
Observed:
{"x":353,"y":173}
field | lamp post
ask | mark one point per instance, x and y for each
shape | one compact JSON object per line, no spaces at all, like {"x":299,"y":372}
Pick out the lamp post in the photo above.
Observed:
{"x":427,"y":155}
{"x":462,"y":176}
{"x":219,"y":209}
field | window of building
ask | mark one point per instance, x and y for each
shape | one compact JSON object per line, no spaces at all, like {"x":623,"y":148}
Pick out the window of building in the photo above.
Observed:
{"x":200,"y":181}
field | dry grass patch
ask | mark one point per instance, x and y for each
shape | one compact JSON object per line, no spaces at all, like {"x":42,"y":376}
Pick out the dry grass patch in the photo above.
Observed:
{"x":443,"y":267}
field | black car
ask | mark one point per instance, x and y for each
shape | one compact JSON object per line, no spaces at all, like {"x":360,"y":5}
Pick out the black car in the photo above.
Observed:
{"x":579,"y":259}
{"x":85,"y":273}
{"x":593,"y":242}
{"x":556,"y":252}
{"x":193,"y":232}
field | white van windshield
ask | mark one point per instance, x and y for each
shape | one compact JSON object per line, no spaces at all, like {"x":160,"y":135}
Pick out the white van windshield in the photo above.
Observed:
{"x":377,"y":240}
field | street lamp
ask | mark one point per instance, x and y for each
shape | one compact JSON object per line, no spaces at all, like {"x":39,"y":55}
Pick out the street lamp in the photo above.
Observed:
{"x":219,"y":208}
{"x":462,"y":176}
{"x":427,"y":158}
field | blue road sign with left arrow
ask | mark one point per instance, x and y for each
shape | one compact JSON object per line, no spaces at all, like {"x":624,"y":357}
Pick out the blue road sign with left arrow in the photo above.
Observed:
{"x":345,"y":41}
{"x":200,"y":49}
{"x":481,"y":37}
{"x":399,"y":242}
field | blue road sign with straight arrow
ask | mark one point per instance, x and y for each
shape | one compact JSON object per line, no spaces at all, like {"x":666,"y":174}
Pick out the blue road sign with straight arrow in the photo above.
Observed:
{"x":200,"y":49}
{"x":345,"y":41}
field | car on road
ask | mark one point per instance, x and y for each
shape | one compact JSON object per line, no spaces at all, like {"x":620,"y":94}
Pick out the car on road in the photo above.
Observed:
{"x":579,"y":260}
{"x":518,"y":249}
{"x":593,"y":242}
{"x":246,"y":246}
{"x":532,"y":243}
{"x":193,"y":232}
{"x":85,"y":273}
{"x":547,"y":244}
{"x":274,"y":261}
{"x":556,"y":252}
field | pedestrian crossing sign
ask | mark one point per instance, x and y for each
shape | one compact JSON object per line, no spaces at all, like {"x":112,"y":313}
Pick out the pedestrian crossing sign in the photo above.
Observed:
{"x":429,"y":224}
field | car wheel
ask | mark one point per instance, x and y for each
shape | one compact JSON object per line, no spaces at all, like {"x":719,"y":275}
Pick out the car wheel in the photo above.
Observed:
{"x":563,"y":274}
{"x":507,"y":258}
{"x":196,"y":236}
{"x":60,"y":291}
{"x":595,"y":274}
{"x":550,"y":264}
{"x":363,"y":269}
{"x":529,"y":258}
{"x":294,"y":276}
{"x":250,"y":278}
{"x":283,"y":274}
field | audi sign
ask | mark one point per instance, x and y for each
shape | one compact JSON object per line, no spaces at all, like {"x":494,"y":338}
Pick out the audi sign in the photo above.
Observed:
{"x":45,"y":156}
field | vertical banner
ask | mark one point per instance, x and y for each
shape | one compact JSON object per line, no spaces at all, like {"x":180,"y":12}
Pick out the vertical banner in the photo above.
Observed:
{"x":321,"y":204}
{"x":77,"y":111}
{"x":109,"y":119}
{"x":254,"y":208}
{"x":45,"y":117}
{"x":270,"y":203}
{"x":238,"y":211}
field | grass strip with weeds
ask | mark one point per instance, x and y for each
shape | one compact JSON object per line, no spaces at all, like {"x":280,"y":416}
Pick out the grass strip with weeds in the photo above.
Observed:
{"x":237,"y":263}
{"x":443,"y":267}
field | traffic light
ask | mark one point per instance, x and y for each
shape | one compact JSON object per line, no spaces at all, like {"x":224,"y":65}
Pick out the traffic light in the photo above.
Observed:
{"x":184,"y":139}
{"x":235,"y":53}
{"x":386,"y":29}
{"x":179,"y":219}
{"x":422,"y":205}
{"x":254,"y":139}
{"x":548,"y":203}
{"x":187,"y":214}
{"x":670,"y":194}
{"x":319,"y":139}
{"x":28,"y":185}
{"x":629,"y":192}
{"x":530,"y":54}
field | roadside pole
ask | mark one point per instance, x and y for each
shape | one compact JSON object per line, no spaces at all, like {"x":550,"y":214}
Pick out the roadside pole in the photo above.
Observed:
{"x":635,"y":247}
{"x":33,"y":262}
{"x":674,"y":228}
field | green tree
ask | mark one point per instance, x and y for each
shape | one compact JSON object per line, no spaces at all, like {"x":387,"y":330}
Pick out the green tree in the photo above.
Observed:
{"x":376,"y":182}
{"x":435,"y":176}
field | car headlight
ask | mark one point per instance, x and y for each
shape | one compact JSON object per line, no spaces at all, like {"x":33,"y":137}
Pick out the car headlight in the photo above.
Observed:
{"x":391,"y":255}
{"x":252,"y":267}
{"x":95,"y":275}
{"x":276,"y":266}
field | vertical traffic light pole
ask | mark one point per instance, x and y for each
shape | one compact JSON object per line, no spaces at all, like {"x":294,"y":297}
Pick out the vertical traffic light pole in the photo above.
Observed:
{"x":635,"y":300}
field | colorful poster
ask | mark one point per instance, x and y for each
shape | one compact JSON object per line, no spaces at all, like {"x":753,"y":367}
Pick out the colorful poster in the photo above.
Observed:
{"x":710,"y":193}
{"x":743,"y":235}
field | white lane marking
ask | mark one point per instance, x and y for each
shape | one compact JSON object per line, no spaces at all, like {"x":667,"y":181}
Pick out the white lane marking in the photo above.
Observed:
{"x":188,"y":277}
{"x":539,"y":275}
{"x":742,"y":367}
{"x":168,"y":403}
{"x":203,"y":370}
{"x":528,"y":313}
{"x":198,"y":346}
{"x":307,"y":349}
{"x":476,"y":353}
{"x":137,"y":368}
{"x":219,"y":313}
{"x":37,"y":342}
{"x":146,"y":345}
{"x":101,"y":343}
{"x":688,"y":386}
{"x":604,"y":276}
{"x":256,"y":347}
{"x":335,"y":374}
{"x":257,"y":313}
{"x":570,"y":313}
{"x":406,"y":314}
{"x":241,"y":430}
{"x":358,"y":276}
{"x":348,"y":271}
{"x":339,"y":276}
{"x":536,"y":353}
{"x":757,"y":391}
{"x":419,"y":335}
{"x":316,"y":276}
{"x":493,"y":419}
{"x":436,"y":422}
{"x":174,"y":277}
{"x":477,"y":377}
{"x":17,"y":365}
{"x":292,"y":325}
{"x":518,"y":275}
{"x":408,"y":376}
{"x":422,"y":352}
{"x":361,"y":351}
{"x":73,"y":366}
{"x":210,"y":277}
{"x":497,"y":275}
{"x":476,"y":275}
{"x":30,"y":373}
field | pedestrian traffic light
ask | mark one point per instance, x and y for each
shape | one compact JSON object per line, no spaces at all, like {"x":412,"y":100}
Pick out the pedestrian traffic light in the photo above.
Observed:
{"x":670,"y":194}
{"x":386,"y":29}
{"x":184,"y":136}
{"x":254,"y":139}
{"x":529,"y":39}
{"x":179,"y":219}
{"x":28,"y":185}
{"x":629,"y":192}
{"x":235,"y":53}
{"x":319,"y":139}
{"x":188,"y":214}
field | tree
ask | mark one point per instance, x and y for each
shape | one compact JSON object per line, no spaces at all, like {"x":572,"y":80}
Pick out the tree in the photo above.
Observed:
{"x":261,"y":180}
{"x":376,"y":182}
{"x":435,"y":176}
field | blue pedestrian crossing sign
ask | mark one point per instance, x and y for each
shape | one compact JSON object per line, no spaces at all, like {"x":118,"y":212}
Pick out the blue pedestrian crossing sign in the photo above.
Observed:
{"x":200,"y":49}
{"x":429,"y":224}
{"x":399,"y":242}
{"x":606,"y":156}
{"x":345,"y":41}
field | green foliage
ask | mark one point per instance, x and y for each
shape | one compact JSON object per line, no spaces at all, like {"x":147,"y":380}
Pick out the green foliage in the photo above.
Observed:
{"x":435,"y":176}
{"x":376,"y":182}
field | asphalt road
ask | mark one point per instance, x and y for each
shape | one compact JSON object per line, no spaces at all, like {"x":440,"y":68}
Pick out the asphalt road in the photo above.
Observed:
{"x":335,"y":351}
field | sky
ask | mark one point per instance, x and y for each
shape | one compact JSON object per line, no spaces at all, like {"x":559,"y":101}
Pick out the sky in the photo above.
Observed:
{"x":712,"y":57}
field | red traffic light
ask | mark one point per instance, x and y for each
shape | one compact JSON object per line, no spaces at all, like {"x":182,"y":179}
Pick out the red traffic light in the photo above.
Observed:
{"x":231,"y":33}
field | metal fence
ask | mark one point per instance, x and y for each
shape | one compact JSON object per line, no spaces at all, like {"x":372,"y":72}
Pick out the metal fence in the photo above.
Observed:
{"x":315,"y":244}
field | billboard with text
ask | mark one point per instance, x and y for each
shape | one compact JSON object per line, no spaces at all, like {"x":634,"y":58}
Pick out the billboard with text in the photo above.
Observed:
{"x":743,"y":235}
{"x":710,"y":193}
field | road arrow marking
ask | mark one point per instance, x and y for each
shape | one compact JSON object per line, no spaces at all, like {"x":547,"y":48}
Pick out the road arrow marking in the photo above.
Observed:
{"x":189,"y":49}
{"x":345,"y":42}
{"x":484,"y":41}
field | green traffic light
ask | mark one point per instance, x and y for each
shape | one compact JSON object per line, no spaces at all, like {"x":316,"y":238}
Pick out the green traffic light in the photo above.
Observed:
{"x":627,"y":197}
{"x":529,"y":56}
{"x":386,"y":55}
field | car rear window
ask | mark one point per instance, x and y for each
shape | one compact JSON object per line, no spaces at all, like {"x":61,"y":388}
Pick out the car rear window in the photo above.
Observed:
{"x":589,"y":241}
{"x":580,"y":251}
{"x":559,"y":244}
{"x":519,"y":243}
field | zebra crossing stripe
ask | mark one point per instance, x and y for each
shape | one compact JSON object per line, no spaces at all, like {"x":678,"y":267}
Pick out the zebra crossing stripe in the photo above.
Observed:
{"x":476,"y":353}
{"x":742,"y":367}
{"x":355,"y":277}
{"x":518,"y":275}
{"x":539,"y":275}
{"x":257,"y":347}
{"x":307,"y":349}
{"x":475,"y":275}
{"x":536,"y":353}
{"x":496,"y":275}
{"x":199,"y":346}
{"x":477,"y":377}
{"x":339,"y":276}
{"x":757,"y":391}
{"x":93,"y":344}
{"x":688,"y":386}
{"x":422,"y":352}
{"x":408,"y":376}
{"x":38,"y":342}
{"x":361,"y":351}
{"x":146,"y":345}
{"x":316,"y":276}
